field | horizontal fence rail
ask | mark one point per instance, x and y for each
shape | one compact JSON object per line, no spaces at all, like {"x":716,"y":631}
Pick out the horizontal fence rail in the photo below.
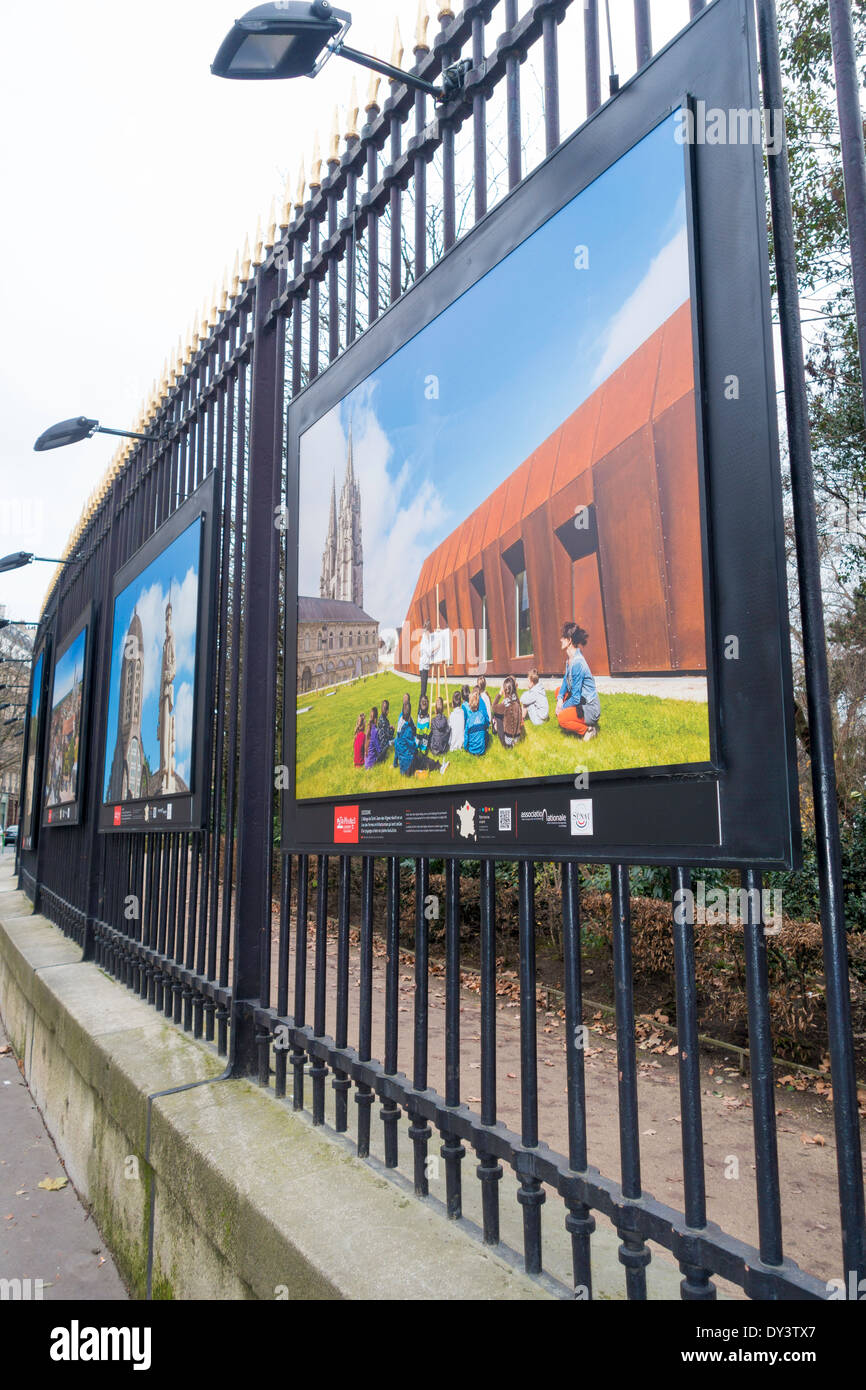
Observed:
{"x":309,"y":971}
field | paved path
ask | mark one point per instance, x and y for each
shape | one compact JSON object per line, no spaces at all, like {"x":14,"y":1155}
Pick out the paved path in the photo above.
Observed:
{"x":44,"y":1235}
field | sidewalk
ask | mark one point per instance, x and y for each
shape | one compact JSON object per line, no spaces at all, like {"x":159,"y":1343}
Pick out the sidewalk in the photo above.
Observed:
{"x":44,"y":1235}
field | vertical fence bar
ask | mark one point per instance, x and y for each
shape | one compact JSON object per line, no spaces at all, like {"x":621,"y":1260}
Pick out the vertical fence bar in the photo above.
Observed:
{"x":420,"y":1132}
{"x":318,"y":1070}
{"x":299,"y":1011}
{"x":579,"y":1222}
{"x":419,"y":164}
{"x":489,"y":1169}
{"x":449,"y":210}
{"x":591,"y":56}
{"x":372,"y":230}
{"x":479,"y":121}
{"x":341,"y":1081}
{"x":396,"y":207}
{"x":261,"y":614}
{"x":530,"y":1194}
{"x":281,"y":1052}
{"x":551,"y":82}
{"x":845,"y":1109}
{"x":512,"y":101}
{"x":333,"y":261}
{"x":633,"y":1252}
{"x":761,"y":1075}
{"x":643,"y":45}
{"x":363,"y":1093}
{"x":452,"y":1150}
{"x":389,"y":1112}
{"x":696,"y":1285}
{"x":352,"y":245}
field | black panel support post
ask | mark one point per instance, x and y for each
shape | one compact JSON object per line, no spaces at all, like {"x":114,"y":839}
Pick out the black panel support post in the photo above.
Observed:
{"x":259,"y":654}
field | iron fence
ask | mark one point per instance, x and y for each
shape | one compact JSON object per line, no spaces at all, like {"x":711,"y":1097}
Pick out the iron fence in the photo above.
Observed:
{"x":248,"y":962}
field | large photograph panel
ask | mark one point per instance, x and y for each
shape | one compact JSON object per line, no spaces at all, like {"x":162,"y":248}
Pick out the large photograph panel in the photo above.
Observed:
{"x":66,"y":748}
{"x":29,"y":820}
{"x":506,"y":517}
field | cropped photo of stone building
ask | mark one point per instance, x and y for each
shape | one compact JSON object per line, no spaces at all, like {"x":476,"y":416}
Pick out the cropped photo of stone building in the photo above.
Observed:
{"x":600,"y":525}
{"x":337,"y":640}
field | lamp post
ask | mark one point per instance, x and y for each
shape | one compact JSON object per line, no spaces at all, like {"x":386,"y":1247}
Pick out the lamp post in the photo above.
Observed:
{"x":17,"y":561}
{"x":296,"y":39}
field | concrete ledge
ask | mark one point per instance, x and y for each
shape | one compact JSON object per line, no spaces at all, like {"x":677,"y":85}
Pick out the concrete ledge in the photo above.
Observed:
{"x":250,"y":1201}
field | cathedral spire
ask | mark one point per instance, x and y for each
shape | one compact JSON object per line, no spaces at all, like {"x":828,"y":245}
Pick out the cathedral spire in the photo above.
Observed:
{"x":350,"y":472}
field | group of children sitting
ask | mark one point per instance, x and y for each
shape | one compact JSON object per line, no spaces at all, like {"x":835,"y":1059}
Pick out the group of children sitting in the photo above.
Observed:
{"x":417,"y":744}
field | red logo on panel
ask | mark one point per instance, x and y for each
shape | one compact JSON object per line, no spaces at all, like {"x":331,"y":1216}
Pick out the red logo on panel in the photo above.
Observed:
{"x":117,"y":815}
{"x":346,"y":825}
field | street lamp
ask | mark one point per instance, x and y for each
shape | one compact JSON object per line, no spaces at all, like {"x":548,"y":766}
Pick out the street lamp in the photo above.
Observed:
{"x":73,"y":431}
{"x":295,"y":38}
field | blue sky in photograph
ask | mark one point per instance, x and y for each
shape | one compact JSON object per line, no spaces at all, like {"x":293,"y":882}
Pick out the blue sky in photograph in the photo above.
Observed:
{"x":175,"y":569}
{"x":69,"y":668}
{"x":513,"y":358}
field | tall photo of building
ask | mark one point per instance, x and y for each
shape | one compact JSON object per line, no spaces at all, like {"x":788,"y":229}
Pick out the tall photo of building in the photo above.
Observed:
{"x":152,"y":683}
{"x":337,"y":640}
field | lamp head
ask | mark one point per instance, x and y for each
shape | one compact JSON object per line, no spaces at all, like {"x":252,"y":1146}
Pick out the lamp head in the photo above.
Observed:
{"x":284,"y":39}
{"x":16,"y":561}
{"x":66,"y":432}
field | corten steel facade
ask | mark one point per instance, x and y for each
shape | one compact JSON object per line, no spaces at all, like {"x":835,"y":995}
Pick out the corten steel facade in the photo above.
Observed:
{"x":603,"y":520}
{"x":207,"y":949}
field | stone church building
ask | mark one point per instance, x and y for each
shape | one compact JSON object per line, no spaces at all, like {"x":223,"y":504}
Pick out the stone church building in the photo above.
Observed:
{"x":337,"y":640}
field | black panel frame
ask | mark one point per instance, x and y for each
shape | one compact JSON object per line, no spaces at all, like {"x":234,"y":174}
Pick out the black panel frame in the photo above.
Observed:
{"x":742,"y":809}
{"x":183,"y":811}
{"x":56,"y":816}
{"x":28,"y":836}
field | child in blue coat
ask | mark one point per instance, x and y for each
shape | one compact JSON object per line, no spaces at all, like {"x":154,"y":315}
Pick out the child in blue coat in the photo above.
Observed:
{"x":477,"y":724}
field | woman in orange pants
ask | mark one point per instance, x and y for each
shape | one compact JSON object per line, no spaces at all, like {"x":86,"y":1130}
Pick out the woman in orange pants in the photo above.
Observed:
{"x":577,"y":706}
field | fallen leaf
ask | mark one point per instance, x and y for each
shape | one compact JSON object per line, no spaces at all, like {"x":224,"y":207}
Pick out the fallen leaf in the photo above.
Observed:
{"x":5,"y":1050}
{"x":512,"y":1075}
{"x":53,"y":1184}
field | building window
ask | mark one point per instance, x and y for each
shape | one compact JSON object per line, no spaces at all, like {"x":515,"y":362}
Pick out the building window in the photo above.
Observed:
{"x":307,"y":643}
{"x":341,"y":640}
{"x":330,"y":641}
{"x":523,"y":626}
{"x":485,"y":646}
{"x":350,"y":639}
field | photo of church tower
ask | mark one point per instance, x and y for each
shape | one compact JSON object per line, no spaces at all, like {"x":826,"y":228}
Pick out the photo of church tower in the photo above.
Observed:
{"x":129,"y":764}
{"x":166,"y":781}
{"x":343,"y":556}
{"x":337,"y":640}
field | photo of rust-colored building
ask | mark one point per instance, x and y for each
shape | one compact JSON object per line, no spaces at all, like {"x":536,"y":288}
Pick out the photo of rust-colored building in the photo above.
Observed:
{"x":600,"y":525}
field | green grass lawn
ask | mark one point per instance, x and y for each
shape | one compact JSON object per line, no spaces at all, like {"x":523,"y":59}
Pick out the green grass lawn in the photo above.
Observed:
{"x":635,"y":731}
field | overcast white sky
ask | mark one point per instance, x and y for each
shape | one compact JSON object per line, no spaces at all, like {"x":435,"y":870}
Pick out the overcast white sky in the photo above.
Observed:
{"x":130,"y":177}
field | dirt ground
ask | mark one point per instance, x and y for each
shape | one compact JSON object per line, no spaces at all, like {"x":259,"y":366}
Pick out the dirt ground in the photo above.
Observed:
{"x":807,"y":1150}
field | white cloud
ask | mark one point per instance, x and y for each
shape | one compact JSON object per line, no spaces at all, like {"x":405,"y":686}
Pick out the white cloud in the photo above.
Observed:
{"x":183,"y":710}
{"x":150,"y":606}
{"x":401,"y":517}
{"x":662,"y":290}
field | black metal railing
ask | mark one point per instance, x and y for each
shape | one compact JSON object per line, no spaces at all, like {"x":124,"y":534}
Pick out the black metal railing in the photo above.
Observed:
{"x":296,"y":1005}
